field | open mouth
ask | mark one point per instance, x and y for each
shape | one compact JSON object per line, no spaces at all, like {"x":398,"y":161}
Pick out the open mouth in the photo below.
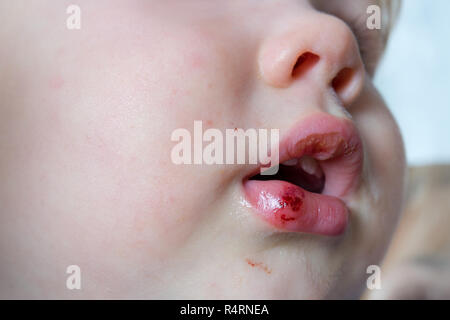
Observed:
{"x":304,"y":172}
{"x":321,"y":162}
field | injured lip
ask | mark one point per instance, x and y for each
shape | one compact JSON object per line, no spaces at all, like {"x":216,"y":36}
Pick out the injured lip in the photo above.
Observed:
{"x":321,"y":161}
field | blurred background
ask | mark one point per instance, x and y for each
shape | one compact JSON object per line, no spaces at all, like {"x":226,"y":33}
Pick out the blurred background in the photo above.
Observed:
{"x":414,"y":79}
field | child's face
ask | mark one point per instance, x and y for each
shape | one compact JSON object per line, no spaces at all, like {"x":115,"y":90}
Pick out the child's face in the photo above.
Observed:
{"x":87,"y":177}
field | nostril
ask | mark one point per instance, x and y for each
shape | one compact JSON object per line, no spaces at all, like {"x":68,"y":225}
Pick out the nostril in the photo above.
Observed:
{"x":342,"y":81}
{"x":304,"y":63}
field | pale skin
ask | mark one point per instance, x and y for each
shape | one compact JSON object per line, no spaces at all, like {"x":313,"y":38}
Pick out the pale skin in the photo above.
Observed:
{"x":86,"y":118}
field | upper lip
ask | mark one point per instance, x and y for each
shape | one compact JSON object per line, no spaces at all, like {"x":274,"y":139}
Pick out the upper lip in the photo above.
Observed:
{"x":334,"y":142}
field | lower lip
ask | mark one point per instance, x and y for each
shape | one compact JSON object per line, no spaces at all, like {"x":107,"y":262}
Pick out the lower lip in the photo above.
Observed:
{"x":293,"y":209}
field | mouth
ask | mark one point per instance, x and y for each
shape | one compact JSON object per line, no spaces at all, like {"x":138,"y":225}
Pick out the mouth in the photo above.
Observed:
{"x":304,"y":172}
{"x":321,"y":161}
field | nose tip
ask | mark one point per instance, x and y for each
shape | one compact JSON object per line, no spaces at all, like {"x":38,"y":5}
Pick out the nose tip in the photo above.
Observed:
{"x":320,"y":48}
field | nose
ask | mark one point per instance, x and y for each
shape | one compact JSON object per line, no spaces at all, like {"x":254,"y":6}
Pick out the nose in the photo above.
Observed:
{"x":317,"y":47}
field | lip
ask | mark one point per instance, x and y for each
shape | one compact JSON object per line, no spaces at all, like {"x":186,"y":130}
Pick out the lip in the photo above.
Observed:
{"x":337,"y":145}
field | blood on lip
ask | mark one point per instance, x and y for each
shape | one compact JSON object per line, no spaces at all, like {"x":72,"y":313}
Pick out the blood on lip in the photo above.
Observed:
{"x":292,"y":198}
{"x":284,"y":218}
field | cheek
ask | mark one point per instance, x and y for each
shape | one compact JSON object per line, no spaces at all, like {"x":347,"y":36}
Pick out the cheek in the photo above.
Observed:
{"x":378,"y":203}
{"x":387,"y":157}
{"x":115,"y":136}
{"x":108,"y":148}
{"x":385,"y":167}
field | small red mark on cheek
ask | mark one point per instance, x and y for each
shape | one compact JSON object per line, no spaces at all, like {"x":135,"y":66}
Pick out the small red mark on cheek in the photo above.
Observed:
{"x":259,"y":265}
{"x":56,"y":82}
{"x":197,"y":60}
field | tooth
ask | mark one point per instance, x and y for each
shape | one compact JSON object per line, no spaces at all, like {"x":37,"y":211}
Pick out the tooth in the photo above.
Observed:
{"x":310,"y":166}
{"x":290,"y":163}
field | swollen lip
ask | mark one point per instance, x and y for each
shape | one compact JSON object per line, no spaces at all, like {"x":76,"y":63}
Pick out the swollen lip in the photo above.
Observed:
{"x":291,"y":208}
{"x":288,"y":207}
